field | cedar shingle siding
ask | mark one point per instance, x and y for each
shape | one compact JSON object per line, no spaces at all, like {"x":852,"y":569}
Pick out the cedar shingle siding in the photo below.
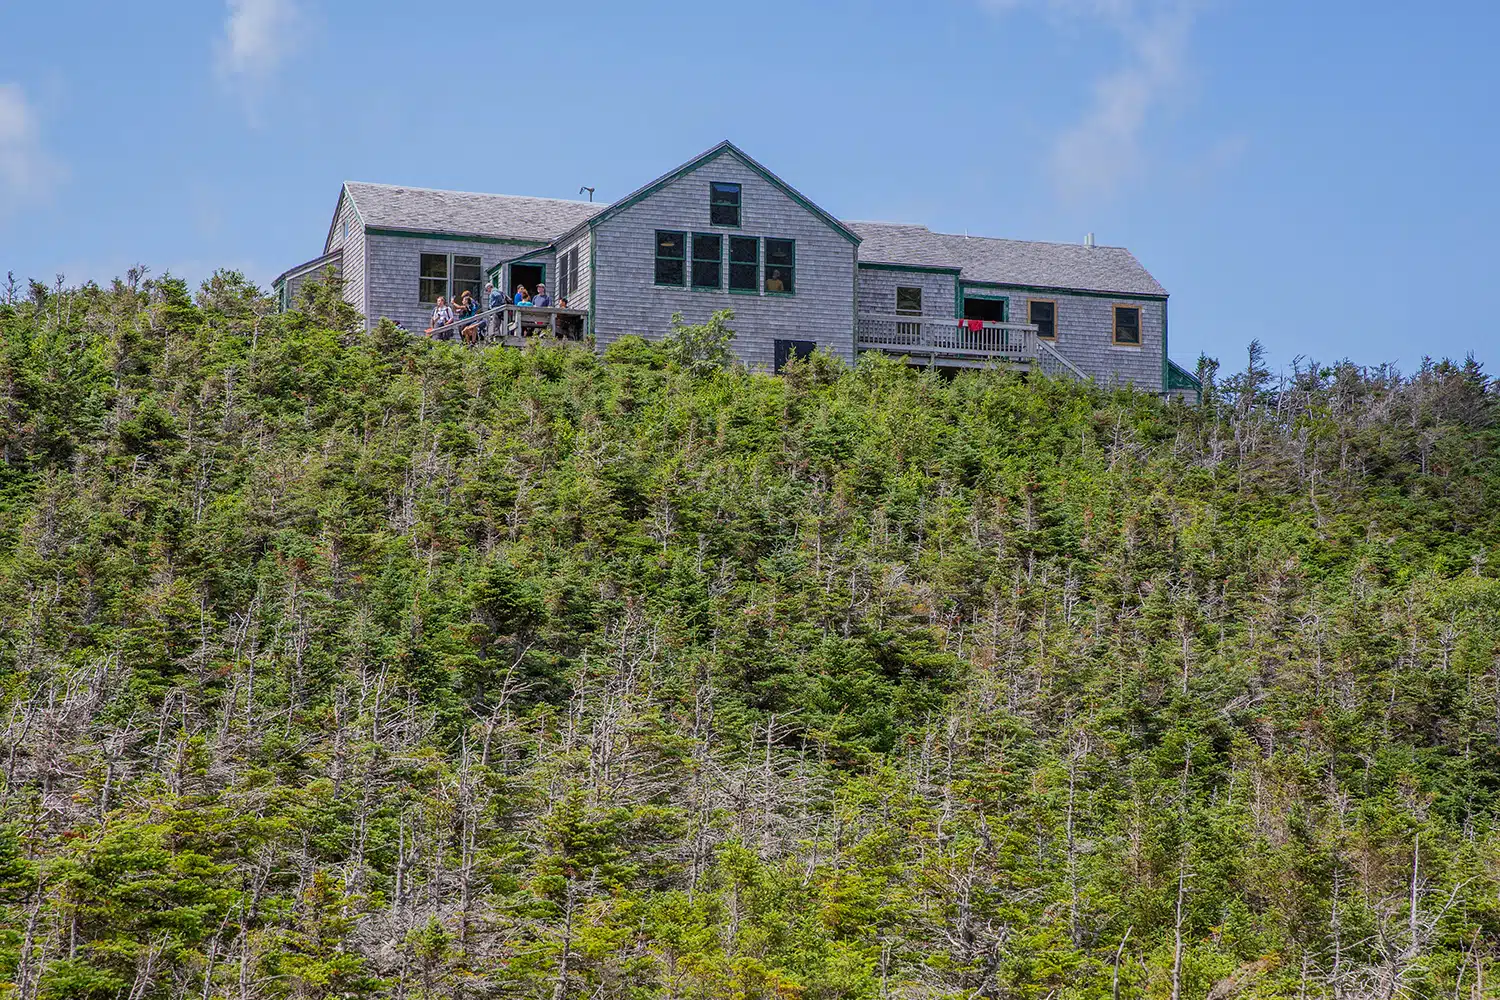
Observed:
{"x":628,"y":300}
{"x":390,"y":227}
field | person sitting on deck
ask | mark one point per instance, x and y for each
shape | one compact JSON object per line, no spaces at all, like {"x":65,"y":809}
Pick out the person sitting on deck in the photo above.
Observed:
{"x":468,"y":309}
{"x":442,"y":316}
{"x":523,"y":297}
{"x":569,"y":326}
{"x":542,"y":300}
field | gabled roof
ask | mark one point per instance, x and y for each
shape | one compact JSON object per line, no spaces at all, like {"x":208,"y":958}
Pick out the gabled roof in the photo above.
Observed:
{"x":462,"y":213}
{"x":706,"y":157}
{"x":1063,"y":266}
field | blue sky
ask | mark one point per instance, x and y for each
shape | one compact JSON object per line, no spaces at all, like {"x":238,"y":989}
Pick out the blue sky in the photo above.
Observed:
{"x":1321,"y":176}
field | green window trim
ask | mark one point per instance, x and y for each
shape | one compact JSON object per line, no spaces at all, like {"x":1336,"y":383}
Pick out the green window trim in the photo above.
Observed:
{"x":679,"y":258}
{"x":701,"y":240}
{"x":725,"y":198}
{"x":769,"y":268}
{"x":744,"y":252}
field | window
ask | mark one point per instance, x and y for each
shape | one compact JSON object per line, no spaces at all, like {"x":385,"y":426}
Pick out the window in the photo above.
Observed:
{"x":1042,"y":314}
{"x":448,"y":275}
{"x":792,"y":350}
{"x":468,"y":276}
{"x":567,"y":274}
{"x":670,"y":254}
{"x":346,"y":230}
{"x":434,"y":277}
{"x":1128,"y":325}
{"x":781,"y":267}
{"x":744,"y":264}
{"x":723,"y":204}
{"x":909,"y":301}
{"x":708,"y":260}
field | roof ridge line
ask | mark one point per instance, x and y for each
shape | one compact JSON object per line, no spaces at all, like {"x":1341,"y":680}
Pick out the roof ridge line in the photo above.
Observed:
{"x":477,"y":194}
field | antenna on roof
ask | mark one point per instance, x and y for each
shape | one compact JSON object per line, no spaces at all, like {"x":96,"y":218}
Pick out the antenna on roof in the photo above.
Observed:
{"x":589,"y":190}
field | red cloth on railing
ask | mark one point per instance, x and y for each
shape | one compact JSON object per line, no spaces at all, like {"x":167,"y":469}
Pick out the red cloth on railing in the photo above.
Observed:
{"x":974,"y":324}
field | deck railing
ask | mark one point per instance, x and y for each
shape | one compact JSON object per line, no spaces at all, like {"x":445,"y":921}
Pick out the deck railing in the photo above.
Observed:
{"x":512,"y":321}
{"x":948,"y":337}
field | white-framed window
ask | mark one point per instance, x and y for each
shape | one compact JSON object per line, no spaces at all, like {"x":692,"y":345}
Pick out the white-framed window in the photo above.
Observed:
{"x":448,"y":275}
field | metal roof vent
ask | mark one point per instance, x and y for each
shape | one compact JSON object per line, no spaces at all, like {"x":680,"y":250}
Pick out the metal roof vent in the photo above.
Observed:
{"x":1088,"y":241}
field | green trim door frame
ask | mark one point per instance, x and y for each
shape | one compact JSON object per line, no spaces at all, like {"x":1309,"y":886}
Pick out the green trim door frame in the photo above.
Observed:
{"x":510,"y":285}
{"x":968,"y":291}
{"x":593,"y":287}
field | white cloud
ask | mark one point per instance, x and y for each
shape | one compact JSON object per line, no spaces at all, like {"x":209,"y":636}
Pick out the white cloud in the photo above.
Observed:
{"x":258,"y":36}
{"x":27,"y":171}
{"x":1105,"y":147}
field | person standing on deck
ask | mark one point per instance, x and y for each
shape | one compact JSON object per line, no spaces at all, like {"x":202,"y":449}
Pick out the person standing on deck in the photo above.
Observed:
{"x":542,"y":300}
{"x":442,"y":316}
{"x":496,"y":299}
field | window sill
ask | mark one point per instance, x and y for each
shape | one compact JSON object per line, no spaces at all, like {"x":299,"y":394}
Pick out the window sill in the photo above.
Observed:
{"x":664,"y":284}
{"x":782,"y":295}
{"x":1126,"y":347}
{"x":707,"y":288}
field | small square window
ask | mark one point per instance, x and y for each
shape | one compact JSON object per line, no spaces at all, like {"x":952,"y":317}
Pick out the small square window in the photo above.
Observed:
{"x":744,"y":264}
{"x":1043,"y":315}
{"x":1128,"y":325}
{"x":671,"y":254}
{"x":909,"y":301}
{"x":723,"y":204}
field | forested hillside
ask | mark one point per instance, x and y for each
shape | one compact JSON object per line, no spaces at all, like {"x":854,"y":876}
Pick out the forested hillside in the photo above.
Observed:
{"x":336,"y":664}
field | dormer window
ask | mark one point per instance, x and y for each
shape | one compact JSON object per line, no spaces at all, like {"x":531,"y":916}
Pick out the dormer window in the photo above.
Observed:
{"x":723,"y":204}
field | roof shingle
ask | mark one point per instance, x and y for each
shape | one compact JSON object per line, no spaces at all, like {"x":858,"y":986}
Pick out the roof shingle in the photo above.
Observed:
{"x":1064,"y":266}
{"x":461,"y":213}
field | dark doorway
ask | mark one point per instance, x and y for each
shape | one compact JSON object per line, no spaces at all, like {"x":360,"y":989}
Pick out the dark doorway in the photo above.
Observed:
{"x":529,"y":275}
{"x":988,"y":310}
{"x":787,"y":350}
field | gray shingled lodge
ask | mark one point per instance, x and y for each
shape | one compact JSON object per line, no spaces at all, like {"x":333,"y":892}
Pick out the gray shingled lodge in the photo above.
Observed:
{"x":722,"y":231}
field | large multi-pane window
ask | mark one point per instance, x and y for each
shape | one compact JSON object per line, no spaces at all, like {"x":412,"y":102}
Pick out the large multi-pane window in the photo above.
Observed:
{"x":723,"y":204}
{"x":671,"y":253}
{"x":781,"y":267}
{"x":448,"y":275}
{"x":708,"y":260}
{"x":744,"y":264}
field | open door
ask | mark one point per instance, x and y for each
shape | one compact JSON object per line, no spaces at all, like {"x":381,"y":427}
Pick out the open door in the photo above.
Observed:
{"x":986,"y":310}
{"x":529,"y":275}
